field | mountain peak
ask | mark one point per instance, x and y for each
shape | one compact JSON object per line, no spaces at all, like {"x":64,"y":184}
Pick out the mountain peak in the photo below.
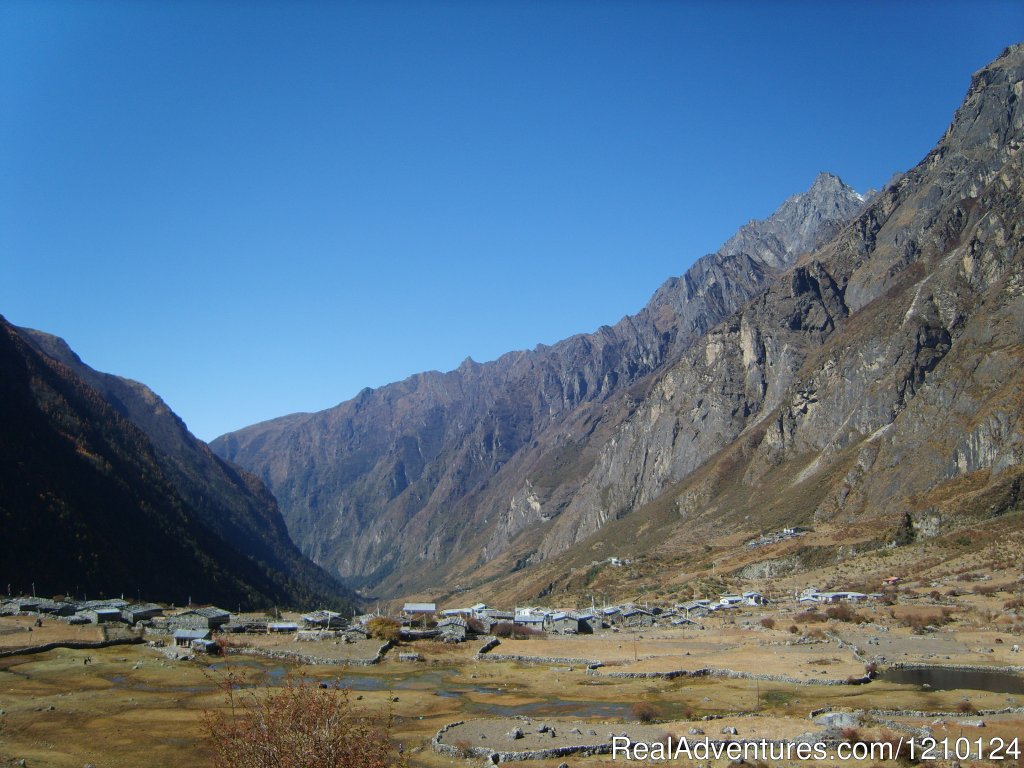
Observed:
{"x":801,"y":223}
{"x":829,"y":183}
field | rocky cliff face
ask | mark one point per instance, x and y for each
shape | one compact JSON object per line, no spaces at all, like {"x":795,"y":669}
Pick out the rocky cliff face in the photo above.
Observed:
{"x":888,"y":354}
{"x":426,"y":470}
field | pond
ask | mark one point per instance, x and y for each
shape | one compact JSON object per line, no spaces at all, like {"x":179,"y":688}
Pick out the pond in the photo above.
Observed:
{"x":946,"y":679}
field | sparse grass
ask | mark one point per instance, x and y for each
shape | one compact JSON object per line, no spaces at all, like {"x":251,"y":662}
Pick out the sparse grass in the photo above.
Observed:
{"x":809,"y":616}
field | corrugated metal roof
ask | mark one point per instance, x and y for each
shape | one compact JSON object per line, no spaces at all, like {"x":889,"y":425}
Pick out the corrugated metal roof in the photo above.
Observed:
{"x":211,"y":612}
{"x":191,"y":634}
{"x":420,"y":608}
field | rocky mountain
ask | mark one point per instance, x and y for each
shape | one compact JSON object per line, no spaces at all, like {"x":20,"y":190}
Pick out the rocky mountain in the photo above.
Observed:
{"x":874,"y":343}
{"x":873,"y":390}
{"x":103,"y":484}
{"x":843,"y":362}
{"x":421,"y":472}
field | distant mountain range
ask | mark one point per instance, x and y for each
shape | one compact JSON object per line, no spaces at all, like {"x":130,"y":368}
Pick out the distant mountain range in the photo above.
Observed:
{"x":469,"y":460}
{"x":103,"y":490}
{"x":843,"y":360}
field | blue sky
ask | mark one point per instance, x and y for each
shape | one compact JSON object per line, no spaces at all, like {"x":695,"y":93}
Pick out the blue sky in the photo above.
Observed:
{"x":260,"y":208}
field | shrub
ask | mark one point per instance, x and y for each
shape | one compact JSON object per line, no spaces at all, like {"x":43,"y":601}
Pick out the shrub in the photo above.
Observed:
{"x":383,"y":628}
{"x":644,"y":711}
{"x":514,"y":631}
{"x":794,"y":629}
{"x":918,"y":622}
{"x":768,"y":622}
{"x":299,"y":725}
{"x":965,"y":706}
{"x":844,"y":612}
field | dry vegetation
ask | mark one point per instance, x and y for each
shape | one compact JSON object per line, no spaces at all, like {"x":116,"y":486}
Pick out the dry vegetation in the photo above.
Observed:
{"x":298,"y":725}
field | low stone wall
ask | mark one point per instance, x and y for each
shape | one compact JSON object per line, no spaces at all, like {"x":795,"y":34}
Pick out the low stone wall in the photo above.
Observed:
{"x":484,"y":654}
{"x":76,"y":645}
{"x":302,"y":658}
{"x":956,"y":715}
{"x":511,"y":756}
{"x":733,"y":674}
{"x":580,"y":750}
{"x":590,"y":663}
{"x":1007,"y":670}
{"x":857,"y":653}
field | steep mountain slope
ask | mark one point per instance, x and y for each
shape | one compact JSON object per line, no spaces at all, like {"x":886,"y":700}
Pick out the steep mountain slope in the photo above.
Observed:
{"x":874,"y":390}
{"x":391,"y":488}
{"x":89,"y":502}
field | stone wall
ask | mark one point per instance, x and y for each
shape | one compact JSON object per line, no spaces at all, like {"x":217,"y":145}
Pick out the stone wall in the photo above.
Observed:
{"x":484,"y":654}
{"x":72,"y":644}
{"x":730,"y":673}
{"x":305,"y":659}
{"x":495,"y":756}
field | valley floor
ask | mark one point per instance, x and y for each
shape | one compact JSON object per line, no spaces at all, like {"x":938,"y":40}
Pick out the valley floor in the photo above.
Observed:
{"x":133,"y":706}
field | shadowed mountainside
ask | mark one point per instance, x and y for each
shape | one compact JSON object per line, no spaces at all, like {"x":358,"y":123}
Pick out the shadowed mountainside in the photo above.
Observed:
{"x":104,"y":490}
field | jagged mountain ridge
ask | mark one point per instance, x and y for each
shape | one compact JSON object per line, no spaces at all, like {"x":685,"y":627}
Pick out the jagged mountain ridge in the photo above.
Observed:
{"x":104,"y":483}
{"x":420,"y":472}
{"x":875,"y":385}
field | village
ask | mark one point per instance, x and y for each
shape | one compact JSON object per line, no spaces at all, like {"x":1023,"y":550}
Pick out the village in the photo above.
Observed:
{"x":892,"y":646}
{"x":194,"y":628}
{"x":899,"y":655}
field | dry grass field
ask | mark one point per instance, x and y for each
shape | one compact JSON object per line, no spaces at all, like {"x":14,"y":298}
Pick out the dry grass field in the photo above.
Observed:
{"x":131,"y":706}
{"x":959,"y":601}
{"x":20,"y":632}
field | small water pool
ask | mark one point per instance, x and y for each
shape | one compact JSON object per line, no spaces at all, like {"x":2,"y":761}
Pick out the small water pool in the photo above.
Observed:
{"x":946,"y":679}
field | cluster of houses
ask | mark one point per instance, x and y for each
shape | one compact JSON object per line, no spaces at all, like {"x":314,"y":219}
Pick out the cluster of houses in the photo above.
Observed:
{"x":193,"y":628}
{"x":813,"y":595}
{"x":83,"y":611}
{"x":777,"y":536}
{"x":585,"y":621}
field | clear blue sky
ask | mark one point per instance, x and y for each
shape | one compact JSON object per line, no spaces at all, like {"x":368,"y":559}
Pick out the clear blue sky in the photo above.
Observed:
{"x":260,"y":208}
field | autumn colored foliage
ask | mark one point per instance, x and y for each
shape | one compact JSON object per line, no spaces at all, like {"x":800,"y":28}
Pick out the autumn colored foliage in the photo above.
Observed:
{"x":298,"y":725}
